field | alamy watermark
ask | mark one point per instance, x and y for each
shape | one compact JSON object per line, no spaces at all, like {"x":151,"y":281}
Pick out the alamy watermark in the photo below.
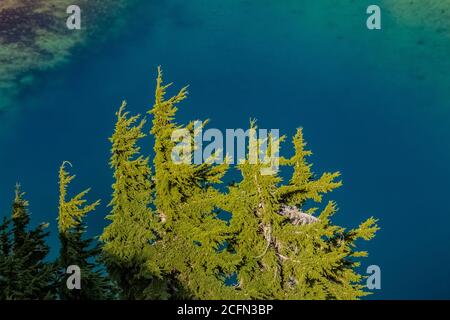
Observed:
{"x":73,"y":22}
{"x":74,"y":280}
{"x":374,"y":279}
{"x":253,"y":146}
{"x":373,"y":21}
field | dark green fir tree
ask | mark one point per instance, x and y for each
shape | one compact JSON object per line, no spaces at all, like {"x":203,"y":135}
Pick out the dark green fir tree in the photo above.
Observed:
{"x":25,"y":273}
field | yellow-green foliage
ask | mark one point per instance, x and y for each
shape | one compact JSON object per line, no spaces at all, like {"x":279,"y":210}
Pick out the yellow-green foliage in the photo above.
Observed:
{"x":71,"y":212}
{"x":20,"y":205}
{"x":127,"y":238}
{"x":185,"y":199}
{"x":132,"y":192}
{"x":283,"y":260}
{"x":76,"y":249}
{"x":273,"y":243}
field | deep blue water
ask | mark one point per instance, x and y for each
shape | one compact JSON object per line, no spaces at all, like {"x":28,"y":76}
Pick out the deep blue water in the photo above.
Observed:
{"x":373,"y":104}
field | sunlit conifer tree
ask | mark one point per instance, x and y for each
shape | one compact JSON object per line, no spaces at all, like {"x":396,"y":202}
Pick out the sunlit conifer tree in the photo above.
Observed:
{"x":77,"y":249}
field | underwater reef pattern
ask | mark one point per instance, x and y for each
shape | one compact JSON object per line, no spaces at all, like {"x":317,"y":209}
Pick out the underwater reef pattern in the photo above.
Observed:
{"x":34,"y":36}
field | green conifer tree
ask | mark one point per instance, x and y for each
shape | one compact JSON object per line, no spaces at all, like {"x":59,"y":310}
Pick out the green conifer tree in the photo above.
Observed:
{"x":188,"y":249}
{"x":166,"y":240}
{"x":126,"y":241}
{"x":285,"y":252}
{"x":25,"y":273}
{"x":76,"y":249}
{"x":5,"y":237}
{"x":269,"y":234}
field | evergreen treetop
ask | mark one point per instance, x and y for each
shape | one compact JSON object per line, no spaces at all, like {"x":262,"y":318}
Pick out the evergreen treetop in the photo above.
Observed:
{"x":285,"y":252}
{"x":24,"y":272}
{"x":126,"y":240}
{"x":76,"y":249}
{"x":166,"y":237}
{"x":188,"y":248}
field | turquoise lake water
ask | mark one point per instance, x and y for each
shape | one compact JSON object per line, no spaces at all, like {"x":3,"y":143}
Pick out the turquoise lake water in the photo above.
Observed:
{"x":374,"y":105}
